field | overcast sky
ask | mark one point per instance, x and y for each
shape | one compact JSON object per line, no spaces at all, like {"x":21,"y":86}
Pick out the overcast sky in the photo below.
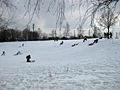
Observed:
{"x":47,"y":21}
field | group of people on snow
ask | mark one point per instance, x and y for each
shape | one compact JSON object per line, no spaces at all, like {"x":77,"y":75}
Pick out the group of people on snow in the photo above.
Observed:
{"x":28,"y":57}
{"x":108,"y":35}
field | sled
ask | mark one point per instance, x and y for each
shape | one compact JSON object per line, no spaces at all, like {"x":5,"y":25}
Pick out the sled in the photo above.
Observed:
{"x":32,"y":61}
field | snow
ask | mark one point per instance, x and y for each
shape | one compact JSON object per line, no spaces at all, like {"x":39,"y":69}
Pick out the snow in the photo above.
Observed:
{"x":56,"y":67}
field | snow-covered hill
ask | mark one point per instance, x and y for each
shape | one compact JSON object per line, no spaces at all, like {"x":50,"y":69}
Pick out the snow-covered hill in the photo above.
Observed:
{"x":56,"y":67}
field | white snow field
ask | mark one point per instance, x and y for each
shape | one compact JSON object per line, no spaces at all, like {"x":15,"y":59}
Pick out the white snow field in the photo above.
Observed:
{"x":56,"y":67}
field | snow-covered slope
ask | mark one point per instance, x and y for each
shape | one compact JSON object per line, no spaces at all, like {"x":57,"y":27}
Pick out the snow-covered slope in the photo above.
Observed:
{"x":56,"y":67}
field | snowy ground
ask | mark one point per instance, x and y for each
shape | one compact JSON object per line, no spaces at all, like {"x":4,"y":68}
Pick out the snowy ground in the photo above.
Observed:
{"x":63,"y":67}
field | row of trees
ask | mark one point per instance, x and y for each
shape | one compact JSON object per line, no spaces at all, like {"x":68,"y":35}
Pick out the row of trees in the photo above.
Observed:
{"x":9,"y":34}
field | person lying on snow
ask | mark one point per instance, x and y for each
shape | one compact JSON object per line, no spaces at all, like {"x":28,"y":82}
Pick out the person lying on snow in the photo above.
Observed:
{"x":3,"y":53}
{"x":18,"y":53}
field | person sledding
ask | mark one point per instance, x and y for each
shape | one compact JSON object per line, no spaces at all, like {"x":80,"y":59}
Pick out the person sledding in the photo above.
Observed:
{"x":18,"y":53}
{"x":3,"y":53}
{"x":85,"y":39}
{"x":61,"y":43}
{"x":23,"y":45}
{"x":28,"y":57}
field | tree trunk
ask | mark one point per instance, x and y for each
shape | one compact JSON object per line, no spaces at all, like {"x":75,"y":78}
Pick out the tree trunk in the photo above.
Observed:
{"x":108,"y":32}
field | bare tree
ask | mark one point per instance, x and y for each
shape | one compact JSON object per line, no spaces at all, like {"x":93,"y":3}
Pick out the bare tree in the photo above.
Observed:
{"x":80,"y":32}
{"x":67,"y":30}
{"x":53,"y":34}
{"x":40,"y":33}
{"x":97,"y":32}
{"x":44,"y":35}
{"x":107,"y":19}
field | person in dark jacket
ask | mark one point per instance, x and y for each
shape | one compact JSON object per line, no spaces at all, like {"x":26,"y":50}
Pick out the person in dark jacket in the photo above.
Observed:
{"x":61,"y":43}
{"x":28,"y":57}
{"x":85,"y":39}
{"x":110,"y":34}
